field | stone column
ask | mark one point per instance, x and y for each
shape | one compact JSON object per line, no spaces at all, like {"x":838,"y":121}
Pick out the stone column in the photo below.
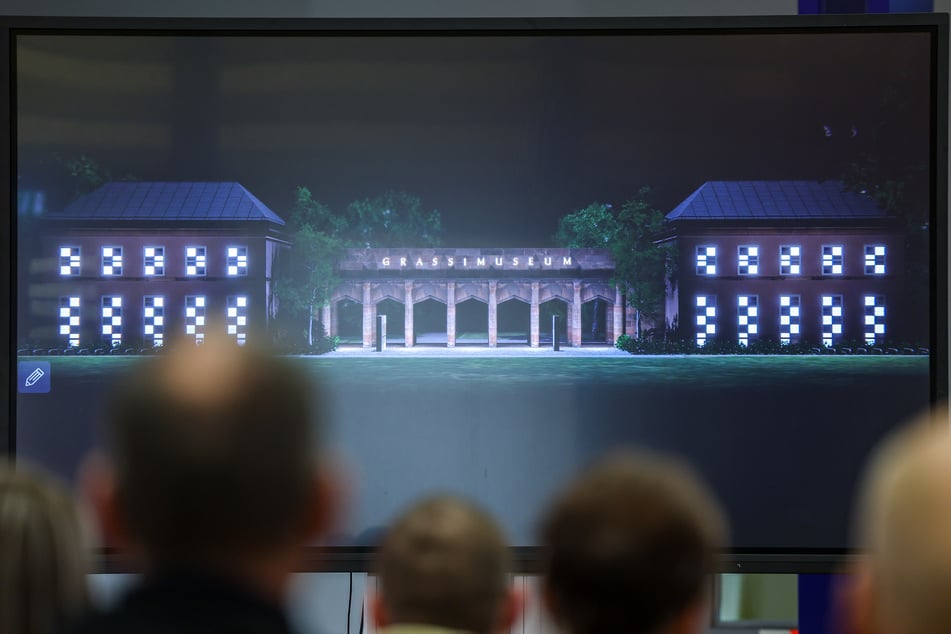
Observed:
{"x":450,"y":314}
{"x":325,"y":319}
{"x":408,"y":314}
{"x":369,"y":317}
{"x":334,"y":320}
{"x":534,"y":312}
{"x":493,"y":313}
{"x":574,"y":328}
{"x":618,"y":314}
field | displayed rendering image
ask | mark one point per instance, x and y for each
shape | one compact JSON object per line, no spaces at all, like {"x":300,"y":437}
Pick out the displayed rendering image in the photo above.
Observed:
{"x":503,"y":255}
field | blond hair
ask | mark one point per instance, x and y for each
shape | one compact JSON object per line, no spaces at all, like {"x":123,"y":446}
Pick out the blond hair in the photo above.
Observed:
{"x":904,"y":523}
{"x":42,"y":560}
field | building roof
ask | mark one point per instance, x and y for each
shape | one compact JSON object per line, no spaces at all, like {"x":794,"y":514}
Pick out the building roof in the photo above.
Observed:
{"x":181,"y":202}
{"x":775,"y":200}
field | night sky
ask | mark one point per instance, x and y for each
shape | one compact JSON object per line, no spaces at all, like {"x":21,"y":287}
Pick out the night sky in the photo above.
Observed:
{"x":503,"y":135}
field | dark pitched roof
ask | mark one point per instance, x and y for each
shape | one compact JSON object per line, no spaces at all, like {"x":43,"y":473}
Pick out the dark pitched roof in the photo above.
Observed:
{"x":775,"y":200}
{"x":181,"y":202}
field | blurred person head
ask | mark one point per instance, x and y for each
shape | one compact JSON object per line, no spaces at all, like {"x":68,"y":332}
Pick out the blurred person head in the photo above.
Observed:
{"x":629,"y":547}
{"x":901,"y":582}
{"x":43,"y":562}
{"x":445,"y":563}
{"x":213,"y":464}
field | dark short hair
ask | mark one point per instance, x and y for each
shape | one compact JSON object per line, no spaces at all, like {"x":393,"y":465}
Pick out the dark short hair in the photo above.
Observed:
{"x":215,"y":452}
{"x":629,"y":545}
{"x":444,"y":562}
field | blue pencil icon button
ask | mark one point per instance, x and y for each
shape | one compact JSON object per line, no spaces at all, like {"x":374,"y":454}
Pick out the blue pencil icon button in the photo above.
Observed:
{"x":33,"y":377}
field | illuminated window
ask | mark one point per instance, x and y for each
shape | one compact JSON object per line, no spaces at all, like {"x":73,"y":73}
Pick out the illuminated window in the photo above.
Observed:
{"x":237,"y":260}
{"x":112,"y":319}
{"x":706,"y":318}
{"x":875,"y":259}
{"x":238,"y":317}
{"x":195,"y":261}
{"x":747,"y":316}
{"x":153,"y":318}
{"x":154,"y":261}
{"x":790,"y":319}
{"x":69,"y":320}
{"x":195,"y":317}
{"x":111,"y":261}
{"x":706,"y":260}
{"x":69,"y":258}
{"x":790,"y":259}
{"x":874,"y":319}
{"x":832,"y":259}
{"x":831,"y":319}
{"x":748,"y":260}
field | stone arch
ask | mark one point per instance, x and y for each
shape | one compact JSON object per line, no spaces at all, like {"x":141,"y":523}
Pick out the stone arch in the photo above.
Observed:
{"x":559,"y":289}
{"x":424,"y":290}
{"x":514,"y":289}
{"x":598,"y":290}
{"x":472,"y":289}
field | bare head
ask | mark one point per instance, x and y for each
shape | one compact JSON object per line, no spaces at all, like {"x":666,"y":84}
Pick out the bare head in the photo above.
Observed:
{"x":214,"y":457}
{"x":43,"y":563}
{"x":445,"y":562}
{"x":629,"y":547}
{"x":904,"y":524}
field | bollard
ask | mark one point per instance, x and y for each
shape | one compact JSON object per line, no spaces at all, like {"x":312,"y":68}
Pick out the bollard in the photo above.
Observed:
{"x":380,"y":333}
{"x":555,"y":344}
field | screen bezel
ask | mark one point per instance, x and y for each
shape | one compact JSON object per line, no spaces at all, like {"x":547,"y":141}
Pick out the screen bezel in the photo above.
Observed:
{"x":525,"y":559}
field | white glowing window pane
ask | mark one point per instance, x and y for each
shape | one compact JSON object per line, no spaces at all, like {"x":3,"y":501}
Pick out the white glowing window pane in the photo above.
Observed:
{"x":149,"y":330}
{"x":879,"y":311}
{"x":784,"y":300}
{"x":64,"y":270}
{"x":744,"y":300}
{"x":869,"y":300}
{"x":107,"y":330}
{"x":753,"y":329}
{"x":65,"y":251}
{"x":879,"y":269}
{"x":743,"y":320}
{"x":794,"y":311}
{"x":150,"y":252}
{"x":784,"y":320}
{"x":232,"y":312}
{"x":794,"y":269}
{"x":232,"y":270}
{"x":74,"y":301}
{"x":232,"y":252}
{"x":189,"y":312}
{"x":880,"y":250}
{"x":837,"y":269}
{"x":242,"y":321}
{"x":191,"y":252}
{"x":232,"y":330}
{"x":826,"y":300}
{"x":711,"y":329}
{"x":794,"y":329}
{"x":879,"y":329}
{"x":150,"y":270}
{"x":117,"y":301}
{"x":701,"y":300}
{"x":701,"y":320}
{"x":159,"y":321}
{"x":711,"y":311}
{"x":107,"y":312}
{"x":836,"y":329}
{"x":199,"y":321}
{"x":107,"y":270}
{"x":64,"y":329}
{"x":869,"y":320}
{"x":199,"y":301}
{"x":189,"y":330}
{"x":191,"y":270}
{"x":64,"y":311}
{"x":117,"y":321}
{"x":752,"y":311}
{"x":242,"y":301}
{"x":711,"y":250}
{"x":794,"y":250}
{"x":754,"y":251}
{"x":107,"y":251}
{"x":159,"y":301}
{"x":74,"y":320}
{"x":149,"y":312}
{"x":711,"y":270}
{"x":836,"y":311}
{"x":836,"y":250}
{"x":827,"y":320}
{"x":754,"y":269}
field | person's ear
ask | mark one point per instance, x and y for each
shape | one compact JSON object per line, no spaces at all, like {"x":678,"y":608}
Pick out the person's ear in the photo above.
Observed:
{"x":856,"y":600}
{"x":513,"y":606}
{"x":378,"y":613}
{"x":695,"y":618}
{"x":99,"y":489}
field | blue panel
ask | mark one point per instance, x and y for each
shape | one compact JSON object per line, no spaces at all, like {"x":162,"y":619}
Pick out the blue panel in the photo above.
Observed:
{"x":816,"y":615}
{"x":911,"y":6}
{"x":808,"y":7}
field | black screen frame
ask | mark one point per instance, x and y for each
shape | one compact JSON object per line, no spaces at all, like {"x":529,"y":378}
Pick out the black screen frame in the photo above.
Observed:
{"x":525,"y":559}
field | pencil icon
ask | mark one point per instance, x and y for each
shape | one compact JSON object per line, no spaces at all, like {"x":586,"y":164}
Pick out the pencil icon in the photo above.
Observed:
{"x":34,"y":377}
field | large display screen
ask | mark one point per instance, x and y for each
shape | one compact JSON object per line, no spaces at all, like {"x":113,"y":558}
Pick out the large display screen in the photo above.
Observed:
{"x":728,"y":234}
